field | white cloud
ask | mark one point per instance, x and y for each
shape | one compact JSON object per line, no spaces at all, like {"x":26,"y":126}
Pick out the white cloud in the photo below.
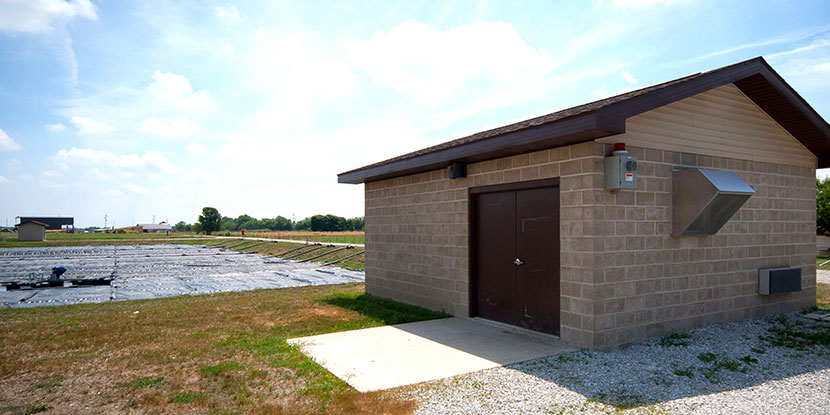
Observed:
{"x":294,"y":88}
{"x":113,"y":193}
{"x":97,"y":174}
{"x":196,"y":148}
{"x":795,"y":36}
{"x":55,"y":128}
{"x":229,"y":14}
{"x":806,"y":67}
{"x":602,"y":92}
{"x":176,"y":89}
{"x":87,"y":126}
{"x":628,"y":77}
{"x":51,"y":184}
{"x":816,"y":44}
{"x":636,"y":4}
{"x":37,"y":16}
{"x":432,"y":64}
{"x":14,"y":164}
{"x":3,"y":179}
{"x":169,"y":128}
{"x":51,"y":173}
{"x":7,"y":144}
{"x":150,"y":158}
{"x":135,"y":188}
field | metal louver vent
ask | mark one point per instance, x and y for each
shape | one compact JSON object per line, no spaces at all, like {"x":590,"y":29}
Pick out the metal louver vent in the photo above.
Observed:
{"x":704,"y":200}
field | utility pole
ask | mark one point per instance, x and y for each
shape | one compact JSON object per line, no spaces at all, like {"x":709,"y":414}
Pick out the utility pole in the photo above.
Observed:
{"x":105,"y":221}
{"x":154,"y":219}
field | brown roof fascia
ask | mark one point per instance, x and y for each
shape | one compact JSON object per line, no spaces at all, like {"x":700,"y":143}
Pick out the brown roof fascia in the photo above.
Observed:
{"x":32,"y":221}
{"x":574,"y":130}
{"x":607,"y":117}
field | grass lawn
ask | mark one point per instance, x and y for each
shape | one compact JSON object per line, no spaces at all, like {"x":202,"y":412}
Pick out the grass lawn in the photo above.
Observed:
{"x":287,"y":250}
{"x":9,"y":240}
{"x":219,"y":354}
{"x":351,"y":237}
{"x":823,"y":296}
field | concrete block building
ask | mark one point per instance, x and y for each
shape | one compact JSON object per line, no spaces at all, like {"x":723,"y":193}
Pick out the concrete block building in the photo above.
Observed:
{"x":31,"y":230}
{"x":519,"y":224}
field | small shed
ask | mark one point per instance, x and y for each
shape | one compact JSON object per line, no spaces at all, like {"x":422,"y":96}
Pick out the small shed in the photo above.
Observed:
{"x":31,"y":231}
{"x":707,"y":216}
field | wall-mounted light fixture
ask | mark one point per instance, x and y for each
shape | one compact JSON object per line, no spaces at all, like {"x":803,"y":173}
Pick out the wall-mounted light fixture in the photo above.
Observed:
{"x":458,"y":171}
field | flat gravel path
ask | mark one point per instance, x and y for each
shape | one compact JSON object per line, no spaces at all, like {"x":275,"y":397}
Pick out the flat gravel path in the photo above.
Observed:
{"x":750,"y":367}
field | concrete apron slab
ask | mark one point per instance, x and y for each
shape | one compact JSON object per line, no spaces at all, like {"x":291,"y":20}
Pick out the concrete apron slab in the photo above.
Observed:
{"x":404,"y":354}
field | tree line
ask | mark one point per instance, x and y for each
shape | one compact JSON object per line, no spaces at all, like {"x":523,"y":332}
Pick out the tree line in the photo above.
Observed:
{"x":211,"y":221}
{"x":823,"y":206}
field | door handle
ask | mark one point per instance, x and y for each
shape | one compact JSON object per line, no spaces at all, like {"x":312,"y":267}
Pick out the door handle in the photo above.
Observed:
{"x":518,"y":261}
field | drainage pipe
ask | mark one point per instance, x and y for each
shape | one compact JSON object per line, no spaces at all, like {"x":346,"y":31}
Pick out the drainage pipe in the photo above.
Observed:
{"x":297,"y":249}
{"x":306,"y":252}
{"x":233,"y":246}
{"x":344,"y":258}
{"x":329,"y":252}
{"x":251,"y":246}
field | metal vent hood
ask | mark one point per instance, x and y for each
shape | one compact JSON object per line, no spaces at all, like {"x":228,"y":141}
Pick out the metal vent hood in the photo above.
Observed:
{"x":704,"y":200}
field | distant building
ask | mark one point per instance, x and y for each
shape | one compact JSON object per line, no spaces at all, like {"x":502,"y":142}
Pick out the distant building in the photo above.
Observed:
{"x":31,"y":231}
{"x":154,"y":227}
{"x":52,"y":223}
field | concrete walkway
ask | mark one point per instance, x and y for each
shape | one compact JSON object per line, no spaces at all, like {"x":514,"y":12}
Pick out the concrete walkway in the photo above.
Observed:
{"x":391,"y":356}
{"x":823,"y":276}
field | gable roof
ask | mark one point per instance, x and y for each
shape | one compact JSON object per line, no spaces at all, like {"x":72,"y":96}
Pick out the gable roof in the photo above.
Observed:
{"x":33,"y":222}
{"x":606,"y":117}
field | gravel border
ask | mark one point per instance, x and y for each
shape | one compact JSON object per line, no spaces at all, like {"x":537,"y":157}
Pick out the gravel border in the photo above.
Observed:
{"x":748,"y":367}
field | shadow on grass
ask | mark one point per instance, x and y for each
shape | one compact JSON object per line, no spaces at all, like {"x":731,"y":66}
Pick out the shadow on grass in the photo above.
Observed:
{"x":382,"y":310}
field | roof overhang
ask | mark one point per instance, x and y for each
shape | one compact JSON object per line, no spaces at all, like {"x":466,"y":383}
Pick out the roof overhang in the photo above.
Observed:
{"x":755,"y":78}
{"x":32,"y":222}
{"x":575,"y":130}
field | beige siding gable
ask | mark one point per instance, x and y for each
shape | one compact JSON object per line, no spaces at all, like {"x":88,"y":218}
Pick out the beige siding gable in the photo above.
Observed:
{"x":721,"y":122}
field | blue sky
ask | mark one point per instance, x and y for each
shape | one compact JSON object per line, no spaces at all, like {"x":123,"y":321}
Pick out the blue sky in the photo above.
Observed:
{"x":142,"y":109}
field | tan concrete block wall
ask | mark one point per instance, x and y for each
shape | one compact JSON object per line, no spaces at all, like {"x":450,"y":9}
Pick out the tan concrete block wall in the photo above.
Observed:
{"x":417,"y":231}
{"x":623,"y":276}
{"x":653,"y":283}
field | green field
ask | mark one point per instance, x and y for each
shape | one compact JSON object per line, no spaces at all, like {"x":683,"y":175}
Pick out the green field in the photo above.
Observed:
{"x":338,"y":239}
{"x":9,"y":240}
{"x":215,"y":354}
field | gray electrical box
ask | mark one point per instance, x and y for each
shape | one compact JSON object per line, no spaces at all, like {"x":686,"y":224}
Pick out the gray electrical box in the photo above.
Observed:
{"x":620,"y":171}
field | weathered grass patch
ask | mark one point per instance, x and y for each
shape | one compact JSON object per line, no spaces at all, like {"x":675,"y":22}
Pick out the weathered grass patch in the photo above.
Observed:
{"x":796,"y":334}
{"x":676,"y":339}
{"x":823,"y":296}
{"x":29,"y":408}
{"x":223,"y":353}
{"x":187,"y":397}
{"x":141,"y":382}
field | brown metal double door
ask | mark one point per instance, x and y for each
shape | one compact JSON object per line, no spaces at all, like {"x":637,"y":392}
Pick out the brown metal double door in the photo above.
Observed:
{"x":516,"y":242}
